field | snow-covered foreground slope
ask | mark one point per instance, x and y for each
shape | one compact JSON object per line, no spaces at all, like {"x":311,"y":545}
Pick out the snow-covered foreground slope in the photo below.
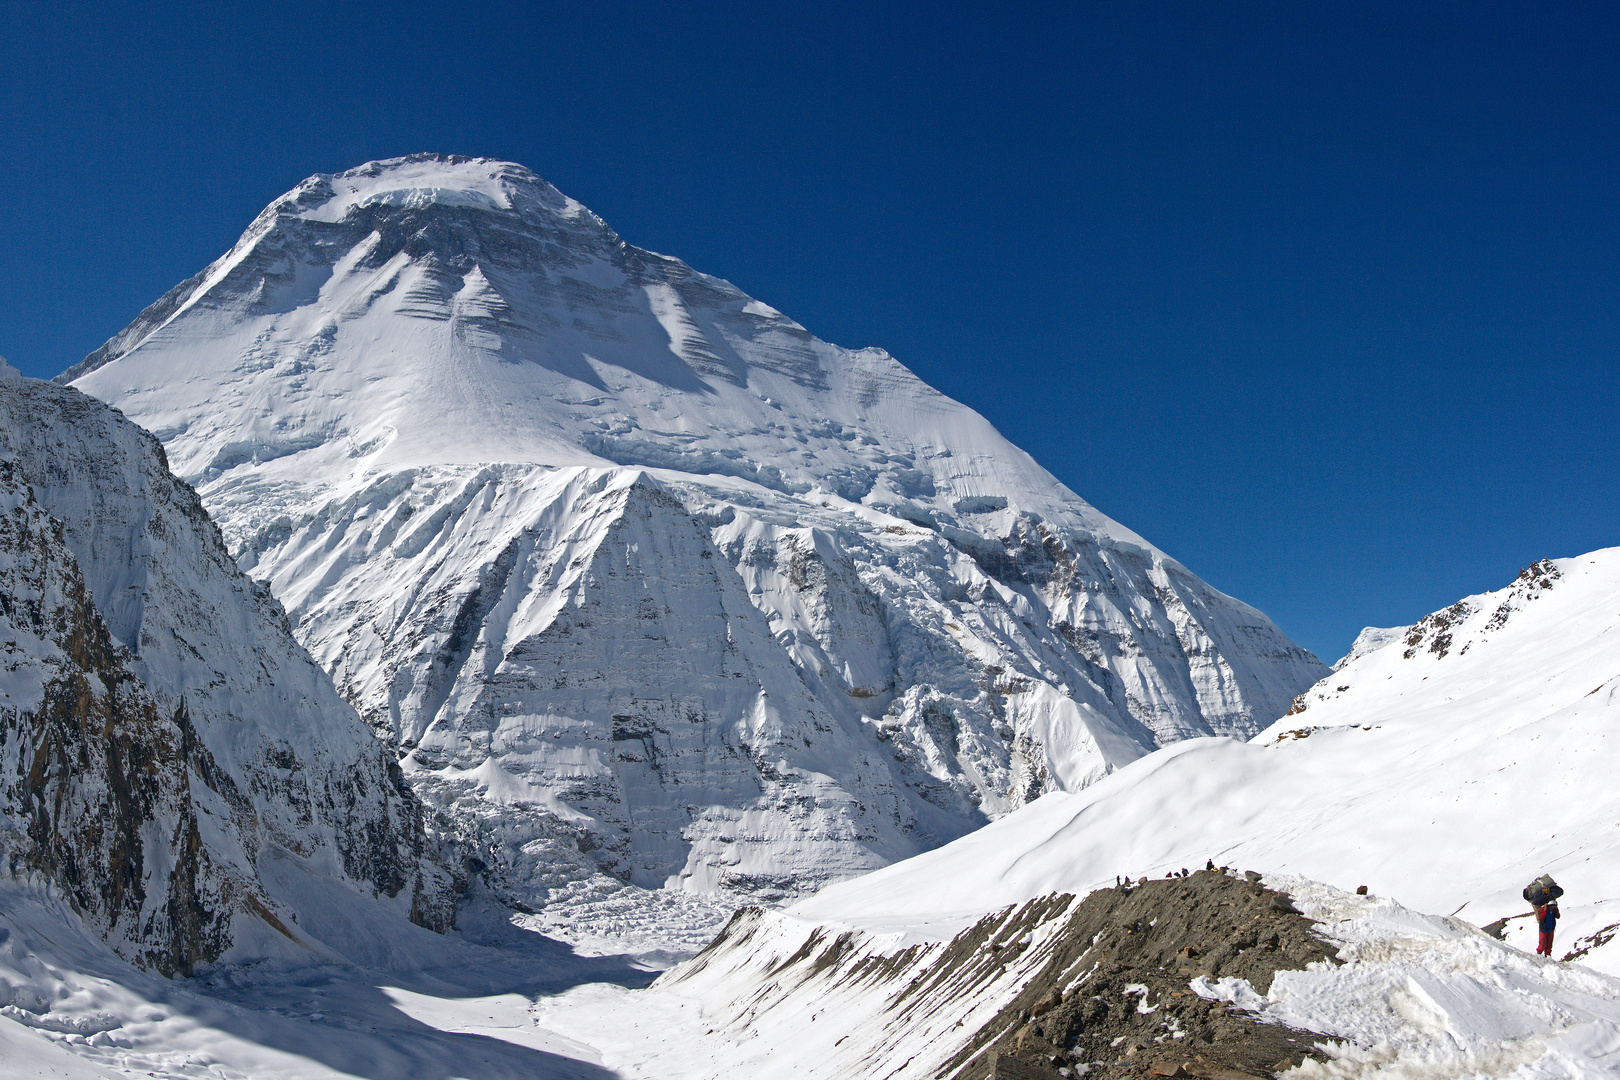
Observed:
{"x":1443,"y":769}
{"x":446,"y":1008}
{"x":1421,"y":996}
{"x":644,"y":579}
{"x":1416,"y":996}
{"x":1447,"y":768}
{"x":170,"y":758}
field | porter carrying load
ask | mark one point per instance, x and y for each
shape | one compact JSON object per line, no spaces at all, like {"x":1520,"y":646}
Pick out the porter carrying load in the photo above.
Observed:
{"x":1543,"y":890}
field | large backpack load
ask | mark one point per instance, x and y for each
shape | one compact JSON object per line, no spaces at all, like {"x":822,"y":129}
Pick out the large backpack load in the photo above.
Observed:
{"x":1543,"y":890}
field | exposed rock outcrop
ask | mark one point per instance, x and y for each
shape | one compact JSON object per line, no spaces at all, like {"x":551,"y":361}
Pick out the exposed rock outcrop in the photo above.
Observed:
{"x":160,"y":730}
{"x":1129,"y":1013}
{"x":1117,"y":984}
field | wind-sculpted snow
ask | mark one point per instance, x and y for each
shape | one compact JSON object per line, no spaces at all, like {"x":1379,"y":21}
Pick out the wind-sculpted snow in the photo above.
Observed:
{"x":643,"y":578}
{"x":161,"y":734}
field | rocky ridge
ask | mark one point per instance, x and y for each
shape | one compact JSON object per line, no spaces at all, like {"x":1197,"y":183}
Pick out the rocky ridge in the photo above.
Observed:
{"x":161,"y":733}
{"x":1131,"y":1013}
{"x":1114,"y":984}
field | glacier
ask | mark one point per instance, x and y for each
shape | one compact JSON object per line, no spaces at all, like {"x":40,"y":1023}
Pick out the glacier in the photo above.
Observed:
{"x":645,"y":583}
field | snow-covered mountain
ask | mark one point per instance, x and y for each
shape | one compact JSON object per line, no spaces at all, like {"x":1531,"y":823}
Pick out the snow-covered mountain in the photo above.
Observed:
{"x":1443,"y":770}
{"x":642,"y":577}
{"x":170,"y":758}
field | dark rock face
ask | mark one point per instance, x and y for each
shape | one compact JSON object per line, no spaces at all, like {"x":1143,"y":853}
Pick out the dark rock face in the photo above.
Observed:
{"x":159,"y":728}
{"x":97,"y":778}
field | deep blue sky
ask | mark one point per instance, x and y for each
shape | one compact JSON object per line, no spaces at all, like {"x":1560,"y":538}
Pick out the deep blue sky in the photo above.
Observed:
{"x":1324,"y":302}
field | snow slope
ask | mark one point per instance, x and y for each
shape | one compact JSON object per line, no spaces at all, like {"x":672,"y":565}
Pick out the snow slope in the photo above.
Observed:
{"x":1418,"y":996}
{"x":1371,"y":639}
{"x":643,"y":578}
{"x":446,"y":1008}
{"x":170,"y":758}
{"x":1446,"y":769}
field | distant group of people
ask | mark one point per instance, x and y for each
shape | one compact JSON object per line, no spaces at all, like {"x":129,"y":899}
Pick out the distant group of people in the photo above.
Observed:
{"x":1122,"y":880}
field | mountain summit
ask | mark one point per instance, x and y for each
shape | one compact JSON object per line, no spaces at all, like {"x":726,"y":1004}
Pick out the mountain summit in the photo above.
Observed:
{"x":434,"y":311}
{"x":643,"y":579}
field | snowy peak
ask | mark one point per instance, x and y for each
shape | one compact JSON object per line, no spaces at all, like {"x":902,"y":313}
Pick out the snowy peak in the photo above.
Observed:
{"x":422,"y":180}
{"x":409,"y":187}
{"x":1455,"y":627}
{"x":646,"y":579}
{"x":435,"y":310}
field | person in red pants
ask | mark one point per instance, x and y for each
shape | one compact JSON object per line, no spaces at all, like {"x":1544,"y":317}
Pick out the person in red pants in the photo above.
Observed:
{"x":1546,"y":920}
